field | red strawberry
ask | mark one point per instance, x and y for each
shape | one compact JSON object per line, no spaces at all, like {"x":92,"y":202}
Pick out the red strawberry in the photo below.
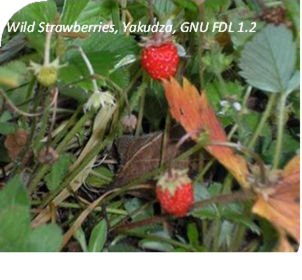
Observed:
{"x":175,"y":193}
{"x":161,"y":61}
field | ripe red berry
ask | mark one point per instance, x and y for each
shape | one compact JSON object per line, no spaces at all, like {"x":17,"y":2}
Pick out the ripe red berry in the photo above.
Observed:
{"x":175,"y":193}
{"x":161,"y":61}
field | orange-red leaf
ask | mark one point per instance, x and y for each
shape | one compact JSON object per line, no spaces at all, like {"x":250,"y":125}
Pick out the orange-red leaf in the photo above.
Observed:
{"x":196,"y":115}
{"x":282,"y":207}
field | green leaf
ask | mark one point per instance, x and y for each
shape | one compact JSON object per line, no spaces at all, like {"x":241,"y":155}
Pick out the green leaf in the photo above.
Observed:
{"x":180,"y":250}
{"x":79,"y":235}
{"x":37,"y":12}
{"x":291,"y":148}
{"x":133,"y":205}
{"x":217,"y":62}
{"x":269,"y":234}
{"x":120,"y":77}
{"x":295,"y":103}
{"x":163,"y":7}
{"x":216,"y":91}
{"x":268,"y":61}
{"x":9,"y":78}
{"x":15,"y":230}
{"x":117,"y":45}
{"x":45,"y":238}
{"x":98,"y":237}
{"x":14,"y":194}
{"x":100,"y":177}
{"x":122,"y":247}
{"x":104,"y":52}
{"x":242,"y":219}
{"x":7,"y":128}
{"x":72,"y":10}
{"x":13,"y":74}
{"x":95,"y":12}
{"x":226,"y":233}
{"x":247,"y":17}
{"x":202,"y":193}
{"x":235,"y":212}
{"x":193,"y":234}
{"x":294,"y":83}
{"x":58,"y":172}
{"x":157,"y":245}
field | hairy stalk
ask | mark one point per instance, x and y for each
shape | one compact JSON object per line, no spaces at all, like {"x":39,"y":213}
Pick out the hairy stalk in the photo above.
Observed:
{"x":224,"y":198}
{"x":37,"y":143}
{"x":141,"y":111}
{"x":281,"y":120}
{"x":89,"y":67}
{"x":165,"y":138}
{"x":263,"y":120}
{"x":148,"y":221}
{"x":47,"y":48}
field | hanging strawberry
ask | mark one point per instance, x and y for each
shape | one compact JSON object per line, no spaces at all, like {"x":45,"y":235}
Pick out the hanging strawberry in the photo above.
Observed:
{"x":175,"y":192}
{"x":160,"y":56}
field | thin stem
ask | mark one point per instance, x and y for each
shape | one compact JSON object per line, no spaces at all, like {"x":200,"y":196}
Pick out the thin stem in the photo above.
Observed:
{"x":89,"y":67}
{"x":47,"y":48}
{"x":37,"y":143}
{"x":263,"y":120}
{"x":165,"y":138}
{"x":145,"y":222}
{"x":19,"y":111}
{"x":54,"y":115}
{"x":224,"y":198}
{"x":140,"y":114}
{"x":278,"y":152}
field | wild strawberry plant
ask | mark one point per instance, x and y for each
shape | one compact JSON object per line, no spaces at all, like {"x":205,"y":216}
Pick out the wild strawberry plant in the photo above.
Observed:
{"x":138,"y":141}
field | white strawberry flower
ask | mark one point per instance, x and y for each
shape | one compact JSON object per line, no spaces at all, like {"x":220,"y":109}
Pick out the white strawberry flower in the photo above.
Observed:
{"x":98,"y":99}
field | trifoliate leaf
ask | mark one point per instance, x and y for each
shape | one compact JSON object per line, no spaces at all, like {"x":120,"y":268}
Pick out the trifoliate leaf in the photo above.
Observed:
{"x":268,"y":61}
